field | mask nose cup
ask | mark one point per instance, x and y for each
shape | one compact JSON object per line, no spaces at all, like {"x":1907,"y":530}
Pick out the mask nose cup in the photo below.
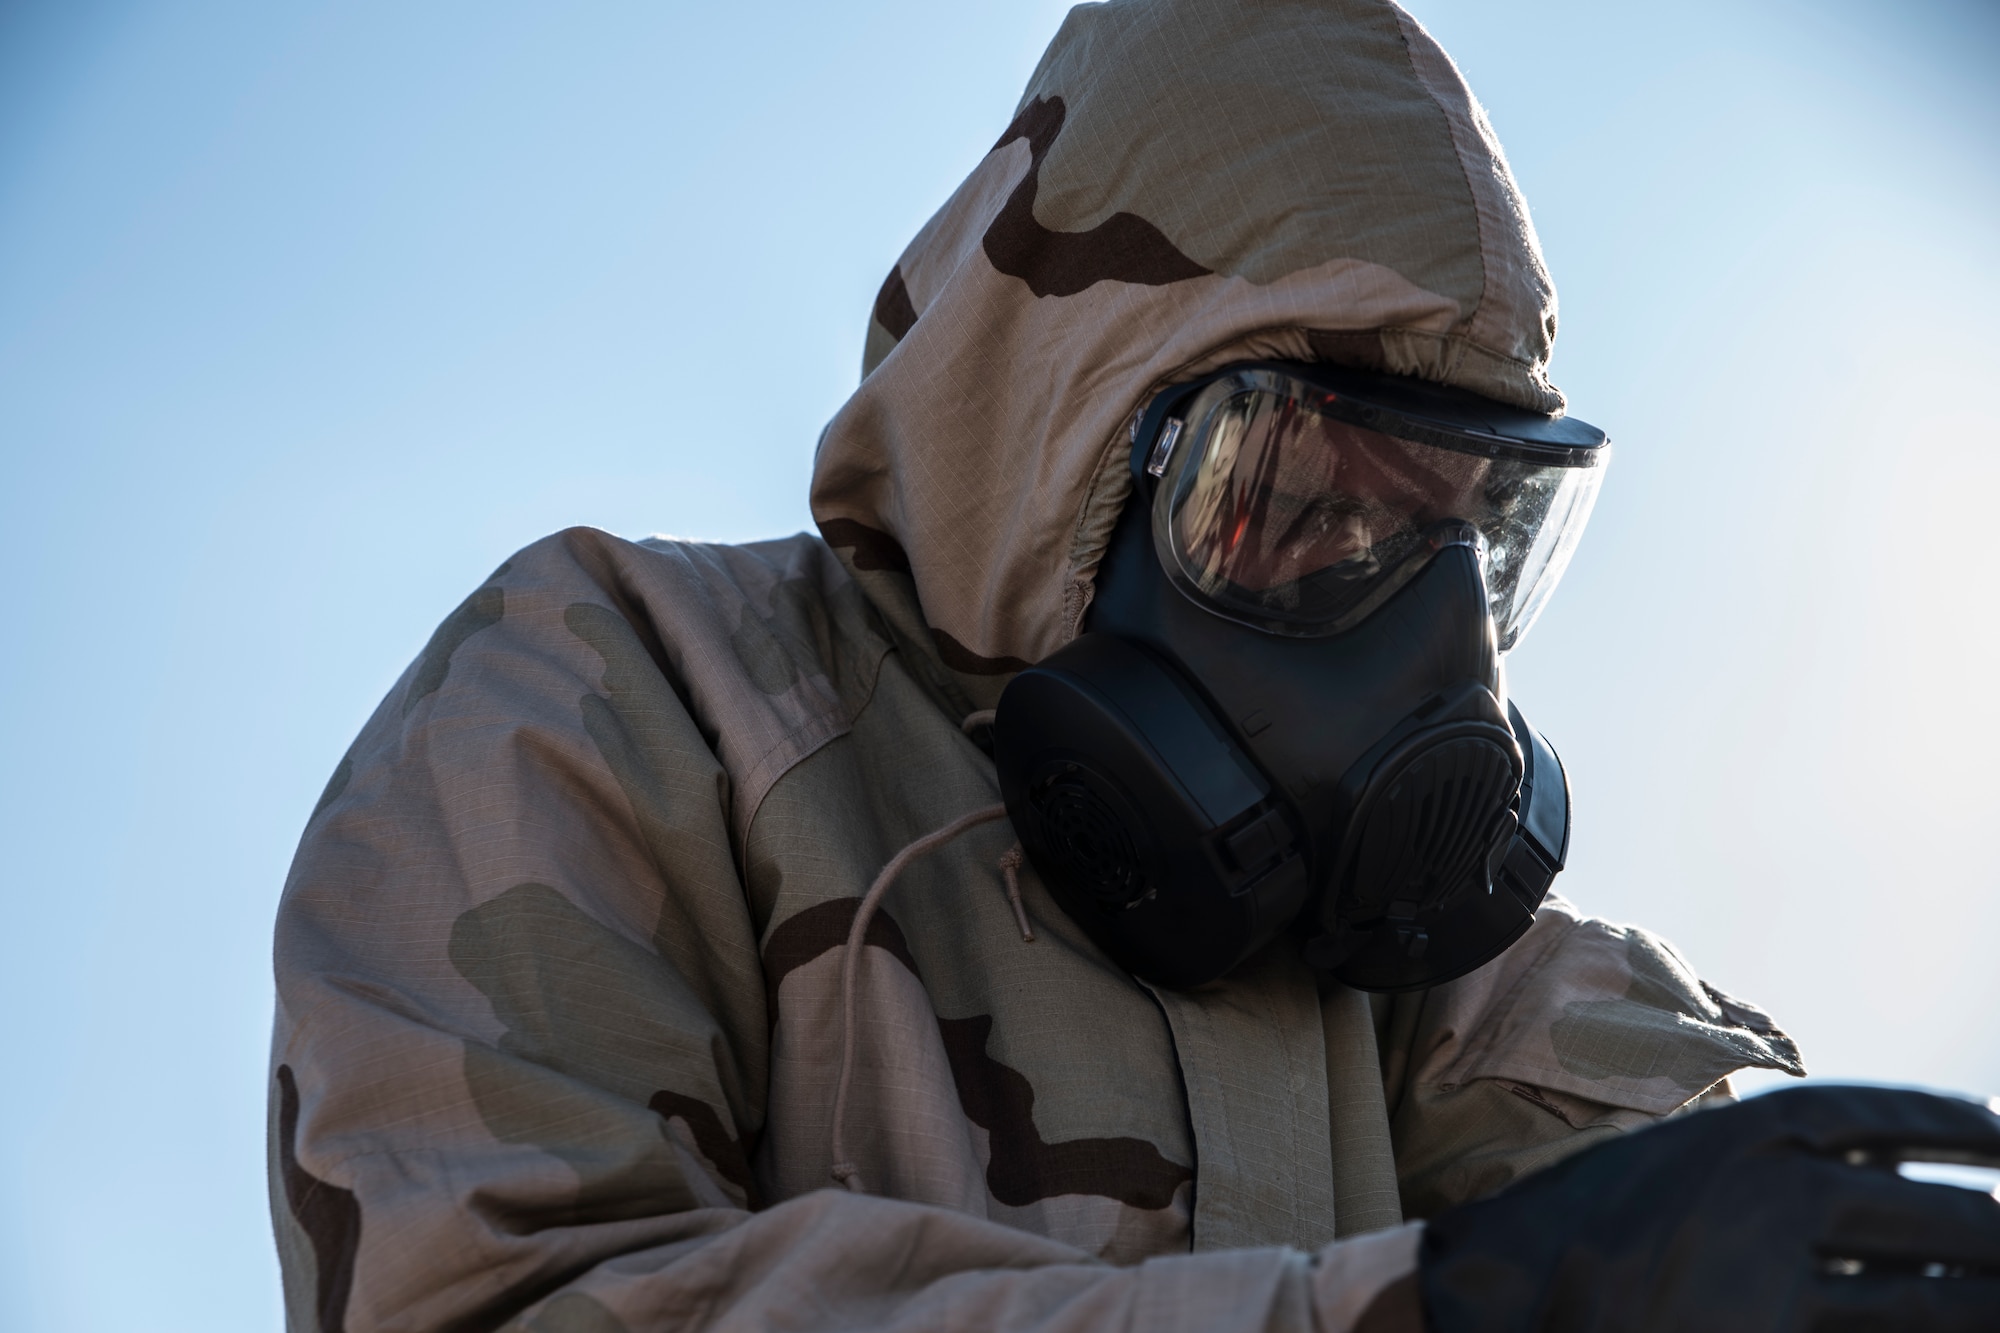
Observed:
{"x":1450,"y":617}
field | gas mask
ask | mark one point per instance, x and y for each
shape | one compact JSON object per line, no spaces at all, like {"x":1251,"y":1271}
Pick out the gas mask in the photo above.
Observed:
{"x":1287,"y":711}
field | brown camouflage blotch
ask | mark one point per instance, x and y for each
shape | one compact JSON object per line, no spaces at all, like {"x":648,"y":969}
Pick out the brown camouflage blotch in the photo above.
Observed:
{"x":1361,"y":350}
{"x":1122,"y":248}
{"x":329,"y":1215}
{"x":723,"y":1149}
{"x":819,"y":928}
{"x":868,"y":548}
{"x":961,"y":658}
{"x":597,"y":555}
{"x":893,"y":308}
{"x":638,"y":723}
{"x":595,"y":1025}
{"x":482,"y":610}
{"x":1023,"y":1168}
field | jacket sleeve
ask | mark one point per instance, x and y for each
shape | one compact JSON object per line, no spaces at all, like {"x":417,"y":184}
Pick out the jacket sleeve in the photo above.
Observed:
{"x":1581,"y":1031}
{"x":520,"y":1057}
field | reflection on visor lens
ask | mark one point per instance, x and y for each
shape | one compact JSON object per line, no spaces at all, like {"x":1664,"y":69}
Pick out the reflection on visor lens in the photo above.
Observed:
{"x":1292,"y":519}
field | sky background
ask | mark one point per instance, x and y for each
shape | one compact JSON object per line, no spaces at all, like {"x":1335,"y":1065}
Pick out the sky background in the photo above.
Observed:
{"x":311,"y":313}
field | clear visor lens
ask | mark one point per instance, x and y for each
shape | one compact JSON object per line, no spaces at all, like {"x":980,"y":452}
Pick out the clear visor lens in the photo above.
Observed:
{"x":1291,"y":519}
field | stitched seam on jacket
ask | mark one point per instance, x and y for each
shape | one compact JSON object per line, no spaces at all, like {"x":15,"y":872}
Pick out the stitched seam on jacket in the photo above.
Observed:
{"x":841,"y":728}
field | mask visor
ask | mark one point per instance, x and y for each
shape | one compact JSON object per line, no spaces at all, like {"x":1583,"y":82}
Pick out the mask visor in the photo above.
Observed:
{"x":1298,"y":509}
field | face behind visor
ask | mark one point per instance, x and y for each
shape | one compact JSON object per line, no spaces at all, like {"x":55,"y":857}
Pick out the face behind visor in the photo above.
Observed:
{"x":1287,"y":710}
{"x":1299,"y":508}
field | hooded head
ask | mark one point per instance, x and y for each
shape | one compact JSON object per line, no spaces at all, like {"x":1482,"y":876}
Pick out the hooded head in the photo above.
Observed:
{"x":1185,"y":184}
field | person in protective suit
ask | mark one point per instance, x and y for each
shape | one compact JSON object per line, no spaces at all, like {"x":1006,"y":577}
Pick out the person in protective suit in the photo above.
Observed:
{"x":1100,"y":880}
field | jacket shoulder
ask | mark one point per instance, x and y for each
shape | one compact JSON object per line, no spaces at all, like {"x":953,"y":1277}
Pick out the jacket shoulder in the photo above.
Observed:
{"x":1582,"y":1029}
{"x":1611,"y":1013}
{"x":770,"y":645}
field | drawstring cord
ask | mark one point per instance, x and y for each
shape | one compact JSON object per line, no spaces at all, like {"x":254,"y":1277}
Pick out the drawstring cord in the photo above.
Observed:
{"x":1010,"y":860}
{"x":845,"y":1171}
{"x":1010,"y":870}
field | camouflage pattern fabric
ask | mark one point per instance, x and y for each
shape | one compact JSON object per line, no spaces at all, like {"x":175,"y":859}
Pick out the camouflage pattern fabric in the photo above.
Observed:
{"x":1185,"y":184}
{"x":559,"y":960}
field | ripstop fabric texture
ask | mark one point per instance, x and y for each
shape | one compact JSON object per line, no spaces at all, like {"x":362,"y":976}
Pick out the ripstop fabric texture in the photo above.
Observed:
{"x":1183,"y":185}
{"x":559,"y":960}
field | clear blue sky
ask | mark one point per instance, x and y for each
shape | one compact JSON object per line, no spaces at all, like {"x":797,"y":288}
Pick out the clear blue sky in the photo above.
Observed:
{"x":311,"y":313}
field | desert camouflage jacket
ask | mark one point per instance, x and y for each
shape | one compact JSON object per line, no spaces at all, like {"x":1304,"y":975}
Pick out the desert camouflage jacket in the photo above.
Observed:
{"x":559,"y":962}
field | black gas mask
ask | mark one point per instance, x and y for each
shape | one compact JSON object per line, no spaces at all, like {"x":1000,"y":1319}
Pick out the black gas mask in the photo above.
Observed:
{"x":1288,"y":710}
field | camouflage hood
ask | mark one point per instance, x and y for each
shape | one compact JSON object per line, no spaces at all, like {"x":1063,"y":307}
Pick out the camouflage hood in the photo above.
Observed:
{"x":1185,"y":183}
